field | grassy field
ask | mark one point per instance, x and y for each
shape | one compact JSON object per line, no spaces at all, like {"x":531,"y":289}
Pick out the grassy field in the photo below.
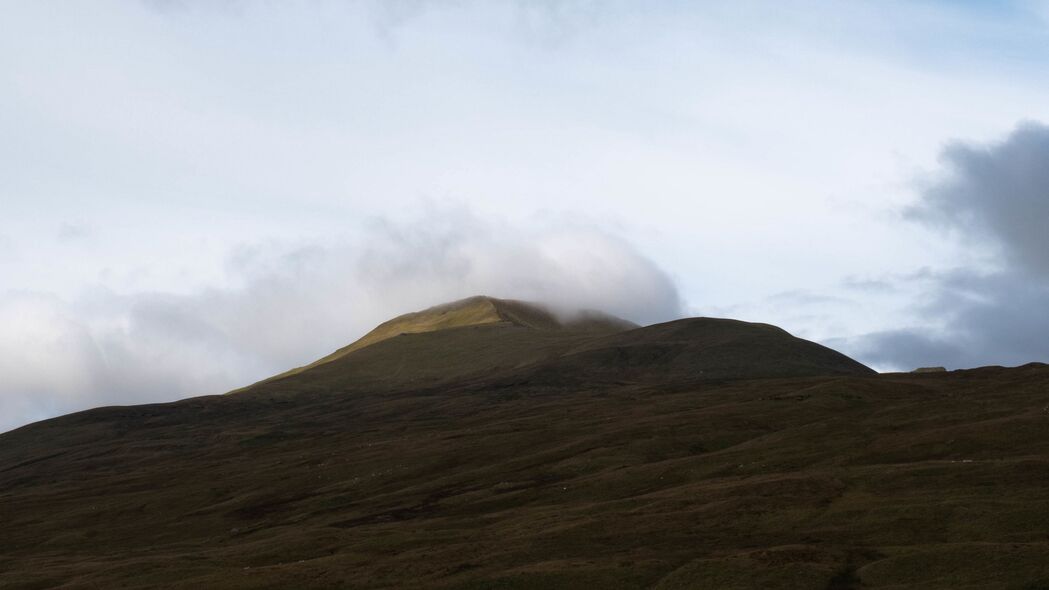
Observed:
{"x":530,"y":461}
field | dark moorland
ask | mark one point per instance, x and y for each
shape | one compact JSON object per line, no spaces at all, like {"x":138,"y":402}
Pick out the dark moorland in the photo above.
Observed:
{"x":487,"y":444}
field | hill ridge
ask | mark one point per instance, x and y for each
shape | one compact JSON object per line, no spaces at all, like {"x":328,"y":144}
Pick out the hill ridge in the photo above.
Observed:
{"x":488,"y":340}
{"x":478,"y":310}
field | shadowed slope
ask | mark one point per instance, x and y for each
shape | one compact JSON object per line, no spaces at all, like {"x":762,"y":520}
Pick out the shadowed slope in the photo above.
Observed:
{"x":706,"y":348}
{"x":885,"y":482}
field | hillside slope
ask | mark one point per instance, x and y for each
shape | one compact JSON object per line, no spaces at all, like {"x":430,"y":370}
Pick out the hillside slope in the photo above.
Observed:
{"x":702,"y":349}
{"x":892,"y":481}
{"x":547,"y":464}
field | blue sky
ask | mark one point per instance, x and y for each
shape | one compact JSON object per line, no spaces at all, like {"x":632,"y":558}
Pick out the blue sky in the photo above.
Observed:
{"x":199,"y":194}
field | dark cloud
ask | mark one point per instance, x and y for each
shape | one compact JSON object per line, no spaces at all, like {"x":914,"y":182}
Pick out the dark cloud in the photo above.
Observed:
{"x":995,"y":319}
{"x":994,"y":197}
{"x":902,"y":349}
{"x":998,"y":193}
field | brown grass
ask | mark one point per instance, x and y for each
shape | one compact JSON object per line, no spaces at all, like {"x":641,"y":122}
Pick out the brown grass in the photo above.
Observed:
{"x":534,"y":475}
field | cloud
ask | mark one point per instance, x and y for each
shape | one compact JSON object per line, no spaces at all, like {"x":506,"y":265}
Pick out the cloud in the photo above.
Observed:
{"x":7,"y":247}
{"x":996,"y":198}
{"x":805,"y":297}
{"x":456,"y":255}
{"x":998,"y":193}
{"x":868,"y":285}
{"x":73,"y":232}
{"x":984,"y":319}
{"x":294,"y":303}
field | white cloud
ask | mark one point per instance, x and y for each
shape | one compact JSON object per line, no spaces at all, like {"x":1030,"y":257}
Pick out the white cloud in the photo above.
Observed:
{"x":294,"y":303}
{"x":750,"y":147}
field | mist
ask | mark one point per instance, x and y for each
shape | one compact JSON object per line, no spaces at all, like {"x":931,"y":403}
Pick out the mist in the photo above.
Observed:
{"x":288,"y":304}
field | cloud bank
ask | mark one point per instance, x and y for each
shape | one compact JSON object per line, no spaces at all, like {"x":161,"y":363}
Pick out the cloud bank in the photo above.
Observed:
{"x":995,"y":199}
{"x":294,"y":303}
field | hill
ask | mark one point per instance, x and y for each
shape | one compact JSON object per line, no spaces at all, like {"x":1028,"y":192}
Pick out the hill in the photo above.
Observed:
{"x":697,"y":349}
{"x":465,"y":327}
{"x":524,"y":454}
{"x":483,"y":338}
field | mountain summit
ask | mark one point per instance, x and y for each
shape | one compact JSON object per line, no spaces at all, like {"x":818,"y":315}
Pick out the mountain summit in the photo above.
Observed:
{"x":483,"y":310}
{"x":503,"y":319}
{"x":481,"y":339}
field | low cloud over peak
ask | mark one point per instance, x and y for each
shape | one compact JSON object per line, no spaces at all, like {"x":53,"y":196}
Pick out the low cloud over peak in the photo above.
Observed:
{"x":292,"y":304}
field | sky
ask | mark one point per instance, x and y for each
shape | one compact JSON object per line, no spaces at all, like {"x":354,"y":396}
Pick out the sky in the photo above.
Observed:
{"x":197,"y":195}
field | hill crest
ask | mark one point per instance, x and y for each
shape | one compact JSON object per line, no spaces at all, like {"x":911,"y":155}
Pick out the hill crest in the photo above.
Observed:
{"x":487,"y":340}
{"x":479,"y":310}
